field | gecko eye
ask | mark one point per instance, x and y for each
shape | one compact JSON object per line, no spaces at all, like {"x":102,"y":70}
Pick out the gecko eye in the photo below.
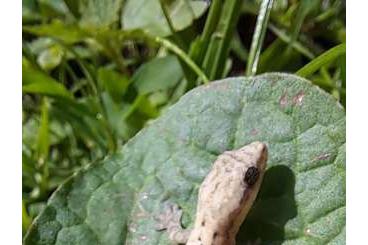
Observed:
{"x":251,"y":176}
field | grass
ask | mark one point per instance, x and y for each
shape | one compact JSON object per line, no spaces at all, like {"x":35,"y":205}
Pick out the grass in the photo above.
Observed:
{"x":258,"y":36}
{"x":83,"y":98}
{"x":324,"y":59}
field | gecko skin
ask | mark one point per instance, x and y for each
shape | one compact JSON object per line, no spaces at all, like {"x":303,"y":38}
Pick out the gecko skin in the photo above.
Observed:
{"x":225,"y":198}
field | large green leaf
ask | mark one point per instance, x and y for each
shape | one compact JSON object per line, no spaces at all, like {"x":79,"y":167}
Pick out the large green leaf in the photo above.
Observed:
{"x":148,"y":15}
{"x":302,"y":199}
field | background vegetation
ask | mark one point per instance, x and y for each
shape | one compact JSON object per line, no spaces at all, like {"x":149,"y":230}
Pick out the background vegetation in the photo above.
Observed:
{"x":95,"y":72}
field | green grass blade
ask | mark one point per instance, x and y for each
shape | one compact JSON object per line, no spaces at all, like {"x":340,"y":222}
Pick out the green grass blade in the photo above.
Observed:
{"x":294,"y":44}
{"x":211,"y":22}
{"x":237,"y":47}
{"x":219,"y":45}
{"x":304,"y":9}
{"x":26,"y":220}
{"x":258,"y":37}
{"x":199,"y":46}
{"x":43,"y":133}
{"x":43,"y":144}
{"x":198,"y":50}
{"x":325,"y":58}
{"x":220,"y":40}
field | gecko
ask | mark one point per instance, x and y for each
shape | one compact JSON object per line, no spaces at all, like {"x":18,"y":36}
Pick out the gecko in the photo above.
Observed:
{"x":224,"y":200}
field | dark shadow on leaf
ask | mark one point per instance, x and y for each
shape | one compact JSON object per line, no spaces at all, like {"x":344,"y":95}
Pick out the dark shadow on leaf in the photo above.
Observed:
{"x":275,"y":205}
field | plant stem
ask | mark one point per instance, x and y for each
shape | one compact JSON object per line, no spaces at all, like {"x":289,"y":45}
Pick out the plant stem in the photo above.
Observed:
{"x":258,"y":37}
{"x":133,"y":107}
{"x":176,"y":37}
{"x":182,"y":55}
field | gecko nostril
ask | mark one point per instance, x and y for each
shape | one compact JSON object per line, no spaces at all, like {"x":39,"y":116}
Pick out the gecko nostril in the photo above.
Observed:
{"x":203,"y":223}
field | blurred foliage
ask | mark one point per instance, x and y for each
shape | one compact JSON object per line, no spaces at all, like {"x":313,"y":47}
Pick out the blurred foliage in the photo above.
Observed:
{"x":95,"y":72}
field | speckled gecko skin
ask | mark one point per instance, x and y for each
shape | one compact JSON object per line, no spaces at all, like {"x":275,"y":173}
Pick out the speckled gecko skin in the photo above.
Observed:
{"x":225,"y":198}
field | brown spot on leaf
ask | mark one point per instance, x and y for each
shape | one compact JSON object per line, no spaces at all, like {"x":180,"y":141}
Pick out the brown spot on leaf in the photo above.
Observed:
{"x":323,"y":156}
{"x":283,"y":100}
{"x":298,"y":98}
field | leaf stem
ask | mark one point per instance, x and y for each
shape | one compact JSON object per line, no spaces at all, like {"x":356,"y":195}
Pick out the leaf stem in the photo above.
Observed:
{"x":182,"y":55}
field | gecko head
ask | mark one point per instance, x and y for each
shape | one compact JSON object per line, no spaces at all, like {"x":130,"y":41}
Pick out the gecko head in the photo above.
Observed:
{"x":232,"y":186}
{"x":254,"y":156}
{"x":252,"y":159}
{"x":247,"y":163}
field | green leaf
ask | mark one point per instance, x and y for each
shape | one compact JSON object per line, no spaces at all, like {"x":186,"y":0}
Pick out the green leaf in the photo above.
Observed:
{"x":57,"y":29}
{"x":100,"y":13}
{"x":52,"y":8}
{"x":148,"y":15}
{"x":302,"y":198}
{"x":35,"y":81}
{"x":73,"y":7}
{"x":29,"y":11}
{"x":51,"y":57}
{"x":157,"y":74}
{"x":115,"y":83}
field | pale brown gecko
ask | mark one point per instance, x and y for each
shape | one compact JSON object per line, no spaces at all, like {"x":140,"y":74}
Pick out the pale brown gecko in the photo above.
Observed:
{"x":225,"y":198}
